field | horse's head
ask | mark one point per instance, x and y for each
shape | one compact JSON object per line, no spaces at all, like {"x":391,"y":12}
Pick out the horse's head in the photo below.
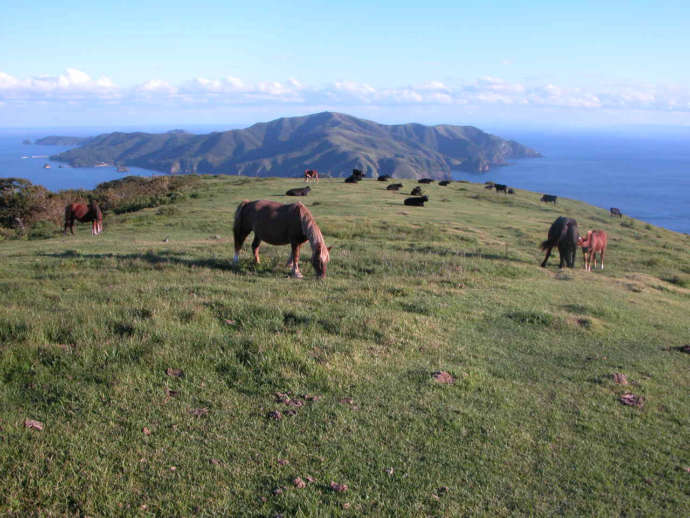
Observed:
{"x":319,"y":260}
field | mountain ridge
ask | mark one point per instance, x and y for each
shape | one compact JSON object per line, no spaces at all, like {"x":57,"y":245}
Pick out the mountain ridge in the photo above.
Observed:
{"x":333,"y":143}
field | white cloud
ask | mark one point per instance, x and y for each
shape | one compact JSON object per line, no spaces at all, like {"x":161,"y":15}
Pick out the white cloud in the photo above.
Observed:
{"x":76,"y":86}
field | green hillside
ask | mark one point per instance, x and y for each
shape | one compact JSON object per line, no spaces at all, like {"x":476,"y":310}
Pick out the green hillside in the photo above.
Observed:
{"x":156,"y":366}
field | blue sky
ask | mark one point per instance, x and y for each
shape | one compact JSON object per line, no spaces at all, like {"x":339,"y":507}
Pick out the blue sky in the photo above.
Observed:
{"x":537,"y":63}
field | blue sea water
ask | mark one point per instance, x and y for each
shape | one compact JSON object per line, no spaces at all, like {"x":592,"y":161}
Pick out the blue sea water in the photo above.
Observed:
{"x":646,"y":176}
{"x":27,"y":161}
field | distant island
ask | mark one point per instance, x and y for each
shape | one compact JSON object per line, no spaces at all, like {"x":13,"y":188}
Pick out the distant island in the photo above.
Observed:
{"x":62,"y":141}
{"x":332,"y":143}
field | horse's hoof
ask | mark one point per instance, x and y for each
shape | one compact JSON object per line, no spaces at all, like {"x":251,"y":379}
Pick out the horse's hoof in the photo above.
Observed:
{"x":297,"y":275}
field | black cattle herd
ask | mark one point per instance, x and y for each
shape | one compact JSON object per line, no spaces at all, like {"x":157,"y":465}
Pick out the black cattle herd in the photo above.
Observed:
{"x":563,"y":233}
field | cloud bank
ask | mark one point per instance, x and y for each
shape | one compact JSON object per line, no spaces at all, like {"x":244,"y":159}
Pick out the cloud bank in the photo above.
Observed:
{"x":75,"y":87}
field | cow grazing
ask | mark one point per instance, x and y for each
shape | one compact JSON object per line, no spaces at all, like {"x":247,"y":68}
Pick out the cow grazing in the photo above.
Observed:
{"x":384,"y":178}
{"x":417,"y":191}
{"x":394,"y":187}
{"x":443,"y":183}
{"x":501,"y":187}
{"x":426,"y":180}
{"x":594,"y":243}
{"x":416,"y":202}
{"x":563,"y":233}
{"x":489,"y":186}
{"x":616,"y":212}
{"x":298,"y":192}
{"x":549,"y":198}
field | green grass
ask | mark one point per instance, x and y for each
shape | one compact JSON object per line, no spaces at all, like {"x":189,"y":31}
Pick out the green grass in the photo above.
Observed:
{"x":531,"y":426}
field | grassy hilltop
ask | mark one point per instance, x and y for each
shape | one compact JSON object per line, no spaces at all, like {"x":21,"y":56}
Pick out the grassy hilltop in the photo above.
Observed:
{"x":532,"y":424}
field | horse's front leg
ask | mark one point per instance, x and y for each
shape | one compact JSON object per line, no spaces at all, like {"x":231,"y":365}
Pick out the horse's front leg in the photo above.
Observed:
{"x":255,"y":248}
{"x":294,"y":255}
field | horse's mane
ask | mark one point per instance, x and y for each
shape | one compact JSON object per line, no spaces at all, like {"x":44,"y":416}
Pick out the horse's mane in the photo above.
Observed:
{"x":313,"y":232}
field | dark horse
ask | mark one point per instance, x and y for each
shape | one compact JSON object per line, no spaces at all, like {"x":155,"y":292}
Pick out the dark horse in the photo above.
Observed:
{"x":280,"y":224}
{"x":563,"y":233}
{"x":82,"y":212}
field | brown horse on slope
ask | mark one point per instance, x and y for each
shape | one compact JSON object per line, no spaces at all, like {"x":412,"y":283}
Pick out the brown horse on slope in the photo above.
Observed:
{"x":83,"y":213}
{"x":595,"y":241}
{"x":279,"y":224}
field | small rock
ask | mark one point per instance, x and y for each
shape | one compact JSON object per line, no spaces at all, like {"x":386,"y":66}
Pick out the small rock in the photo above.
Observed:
{"x":230,"y":322}
{"x":174,"y":373}
{"x":346,"y":505}
{"x":166,"y":240}
{"x":347,"y":401}
{"x":338,"y":488}
{"x":620,"y":378}
{"x":173,"y":468}
{"x":310,"y":479}
{"x":146,"y":431}
{"x":311,"y":397}
{"x":299,"y":483}
{"x":283,"y":462}
{"x":275,"y":414}
{"x":214,"y":461}
{"x":632,"y":400}
{"x":33,"y":424}
{"x":443,"y":377}
{"x":198,"y":412}
{"x":389,"y":471}
{"x":278,"y":491}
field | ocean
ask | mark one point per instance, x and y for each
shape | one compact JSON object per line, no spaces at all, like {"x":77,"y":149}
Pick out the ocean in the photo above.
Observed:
{"x":646,"y":176}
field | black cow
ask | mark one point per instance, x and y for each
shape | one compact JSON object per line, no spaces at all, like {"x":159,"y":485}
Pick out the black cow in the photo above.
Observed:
{"x":355,"y":177}
{"x":416,"y":202}
{"x":511,"y":190}
{"x":298,"y":192}
{"x":549,"y":198}
{"x":394,"y":187}
{"x":384,"y":178}
{"x":616,"y":212}
{"x":501,"y":187}
{"x":426,"y":180}
{"x":443,"y":183}
{"x":489,"y":186}
{"x":417,"y":191}
{"x":563,"y":233}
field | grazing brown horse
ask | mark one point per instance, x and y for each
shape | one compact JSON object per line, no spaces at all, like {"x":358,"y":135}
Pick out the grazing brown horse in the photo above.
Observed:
{"x":311,"y":174}
{"x":280,"y":224}
{"x":82,"y":212}
{"x":595,"y":241}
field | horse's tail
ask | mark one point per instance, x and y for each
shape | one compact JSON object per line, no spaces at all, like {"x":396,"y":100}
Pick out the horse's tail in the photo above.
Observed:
{"x":556,"y":234}
{"x":238,"y":216}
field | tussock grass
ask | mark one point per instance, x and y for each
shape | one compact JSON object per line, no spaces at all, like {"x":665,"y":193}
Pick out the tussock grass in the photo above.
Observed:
{"x":531,"y":426}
